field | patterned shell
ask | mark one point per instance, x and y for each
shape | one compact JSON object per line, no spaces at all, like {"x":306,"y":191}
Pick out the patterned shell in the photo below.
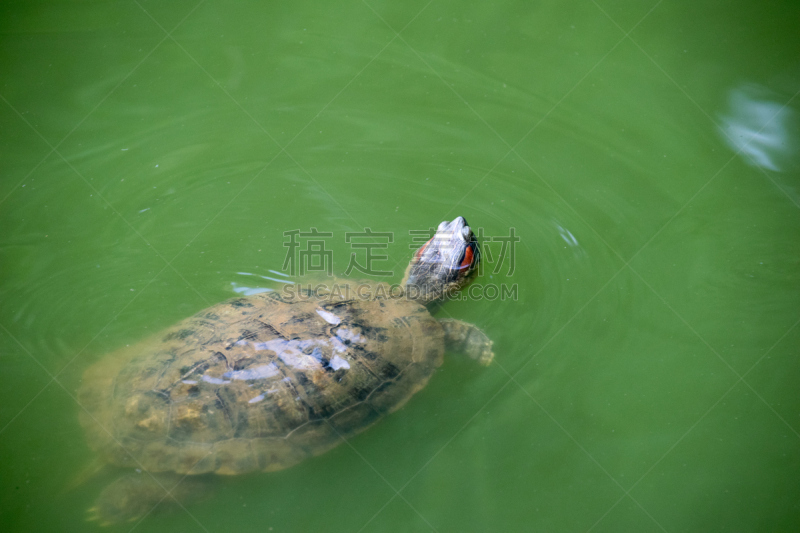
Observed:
{"x":258,"y":383}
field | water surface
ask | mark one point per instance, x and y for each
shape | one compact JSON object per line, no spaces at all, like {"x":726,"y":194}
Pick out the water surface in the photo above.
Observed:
{"x":645,"y":153}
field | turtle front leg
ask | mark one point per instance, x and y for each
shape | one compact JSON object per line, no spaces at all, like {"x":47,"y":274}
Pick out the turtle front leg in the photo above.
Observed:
{"x":465,"y":338}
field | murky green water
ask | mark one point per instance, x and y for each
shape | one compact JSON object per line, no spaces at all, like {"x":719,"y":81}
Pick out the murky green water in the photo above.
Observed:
{"x":646,"y":155}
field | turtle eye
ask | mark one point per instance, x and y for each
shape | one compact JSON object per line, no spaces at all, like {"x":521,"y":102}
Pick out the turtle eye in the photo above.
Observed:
{"x":442,"y":225}
{"x":466,"y":233}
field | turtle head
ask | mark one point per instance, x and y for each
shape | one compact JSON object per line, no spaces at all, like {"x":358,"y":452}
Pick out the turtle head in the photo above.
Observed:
{"x":446,"y":263}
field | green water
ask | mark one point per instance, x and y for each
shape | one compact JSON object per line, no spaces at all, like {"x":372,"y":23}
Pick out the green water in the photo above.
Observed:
{"x":646,"y":154}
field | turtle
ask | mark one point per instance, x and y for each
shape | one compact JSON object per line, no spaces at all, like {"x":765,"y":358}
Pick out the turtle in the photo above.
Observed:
{"x":262,"y":382}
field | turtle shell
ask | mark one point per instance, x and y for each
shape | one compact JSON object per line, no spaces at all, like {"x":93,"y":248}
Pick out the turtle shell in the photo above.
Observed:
{"x":258,"y":383}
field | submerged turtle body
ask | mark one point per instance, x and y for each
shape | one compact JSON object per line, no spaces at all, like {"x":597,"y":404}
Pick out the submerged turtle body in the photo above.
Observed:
{"x":260,"y":383}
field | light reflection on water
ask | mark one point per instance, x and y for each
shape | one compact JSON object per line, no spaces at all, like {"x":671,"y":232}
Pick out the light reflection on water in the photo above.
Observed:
{"x":759,"y":124}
